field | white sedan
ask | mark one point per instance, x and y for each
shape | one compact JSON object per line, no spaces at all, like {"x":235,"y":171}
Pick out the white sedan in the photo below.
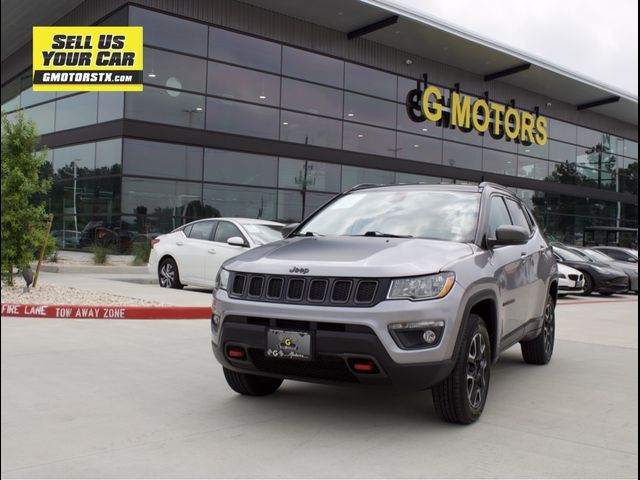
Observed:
{"x":193,"y":253}
{"x":570,"y":280}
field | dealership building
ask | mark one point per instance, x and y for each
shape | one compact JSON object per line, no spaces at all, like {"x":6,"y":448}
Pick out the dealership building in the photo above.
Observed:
{"x":268,"y":108}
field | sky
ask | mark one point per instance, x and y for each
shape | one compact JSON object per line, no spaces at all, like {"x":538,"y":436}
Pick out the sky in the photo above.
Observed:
{"x":595,"y":38}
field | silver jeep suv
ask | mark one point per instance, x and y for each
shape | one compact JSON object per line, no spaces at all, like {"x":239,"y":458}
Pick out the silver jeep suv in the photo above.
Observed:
{"x":415,"y":286}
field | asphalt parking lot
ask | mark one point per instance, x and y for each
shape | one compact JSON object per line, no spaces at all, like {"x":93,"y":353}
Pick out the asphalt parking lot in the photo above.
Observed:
{"x":96,"y":398}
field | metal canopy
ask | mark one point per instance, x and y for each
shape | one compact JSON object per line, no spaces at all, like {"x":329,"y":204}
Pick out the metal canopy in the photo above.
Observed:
{"x":434,"y":39}
{"x":18,"y":17}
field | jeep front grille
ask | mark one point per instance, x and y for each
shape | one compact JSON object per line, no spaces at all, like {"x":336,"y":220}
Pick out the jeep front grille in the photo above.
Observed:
{"x":329,"y":291}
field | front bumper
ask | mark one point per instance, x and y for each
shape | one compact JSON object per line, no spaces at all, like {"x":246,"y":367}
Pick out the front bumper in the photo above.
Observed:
{"x":332,"y":362}
{"x":613,"y":285}
{"x":340,"y":333}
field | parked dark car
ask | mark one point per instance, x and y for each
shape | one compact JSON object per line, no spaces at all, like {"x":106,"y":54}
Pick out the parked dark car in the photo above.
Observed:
{"x":630,"y":269}
{"x":619,"y":253}
{"x":598,"y":277}
{"x":106,"y":235}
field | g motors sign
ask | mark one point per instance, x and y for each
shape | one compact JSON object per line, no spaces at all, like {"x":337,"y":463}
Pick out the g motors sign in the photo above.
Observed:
{"x":87,"y":59}
{"x":467,"y":114}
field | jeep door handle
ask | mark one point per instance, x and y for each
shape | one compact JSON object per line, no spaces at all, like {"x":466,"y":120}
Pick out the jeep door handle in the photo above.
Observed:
{"x":179,"y":244}
{"x":523,"y":254}
{"x":211,"y":250}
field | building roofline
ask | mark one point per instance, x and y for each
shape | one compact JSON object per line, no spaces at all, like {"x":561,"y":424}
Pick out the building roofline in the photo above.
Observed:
{"x":476,"y":38}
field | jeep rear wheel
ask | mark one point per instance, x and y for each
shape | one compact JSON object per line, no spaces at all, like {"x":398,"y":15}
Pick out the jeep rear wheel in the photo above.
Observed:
{"x":539,"y":350}
{"x":460,"y":398}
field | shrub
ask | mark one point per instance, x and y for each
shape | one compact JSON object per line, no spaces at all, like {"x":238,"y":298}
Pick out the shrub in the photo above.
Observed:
{"x":141,"y":252}
{"x":100,"y":253}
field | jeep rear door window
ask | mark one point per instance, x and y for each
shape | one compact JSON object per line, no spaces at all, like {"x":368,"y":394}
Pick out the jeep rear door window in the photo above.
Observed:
{"x":440,"y":215}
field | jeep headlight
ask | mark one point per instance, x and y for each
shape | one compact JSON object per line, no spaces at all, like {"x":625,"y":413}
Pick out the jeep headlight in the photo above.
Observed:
{"x":422,"y":288}
{"x":222,"y":279}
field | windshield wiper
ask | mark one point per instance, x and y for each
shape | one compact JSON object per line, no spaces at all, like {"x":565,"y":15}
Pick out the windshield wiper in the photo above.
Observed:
{"x":307,"y":234}
{"x":375,"y":233}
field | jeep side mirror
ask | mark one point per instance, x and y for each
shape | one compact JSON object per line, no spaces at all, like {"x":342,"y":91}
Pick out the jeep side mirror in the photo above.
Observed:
{"x":509,"y":235}
{"x":287,"y":229}
{"x":237,"y":242}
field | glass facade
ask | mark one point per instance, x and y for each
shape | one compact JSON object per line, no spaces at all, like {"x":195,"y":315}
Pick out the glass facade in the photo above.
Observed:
{"x":211,"y":79}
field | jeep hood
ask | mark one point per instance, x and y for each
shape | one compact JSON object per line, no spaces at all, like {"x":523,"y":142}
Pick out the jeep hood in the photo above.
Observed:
{"x":350,"y":257}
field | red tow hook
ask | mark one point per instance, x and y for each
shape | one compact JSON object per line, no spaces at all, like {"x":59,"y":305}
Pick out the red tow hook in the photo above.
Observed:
{"x":236,"y":352}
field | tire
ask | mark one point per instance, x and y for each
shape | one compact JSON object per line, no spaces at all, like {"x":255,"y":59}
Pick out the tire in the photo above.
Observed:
{"x":168,"y":275}
{"x":588,"y":284}
{"x":539,"y":350}
{"x":253,"y":385}
{"x":460,"y":398}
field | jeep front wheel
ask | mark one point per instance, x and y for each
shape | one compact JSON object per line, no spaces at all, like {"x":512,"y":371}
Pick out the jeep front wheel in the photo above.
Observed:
{"x":460,"y":398}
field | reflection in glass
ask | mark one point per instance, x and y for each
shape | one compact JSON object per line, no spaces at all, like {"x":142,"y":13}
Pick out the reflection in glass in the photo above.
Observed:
{"x":108,"y":157}
{"x":359,"y":108}
{"x":77,"y":111}
{"x":308,"y":175}
{"x":562,"y":152}
{"x":244,"y":50}
{"x":310,"y":130}
{"x":11,"y":95}
{"x":180,"y":162}
{"x":289,"y":206}
{"x":499,"y":162}
{"x":352,"y":176}
{"x":311,"y":98}
{"x":170,"y":32}
{"x":166,"y":106}
{"x":362,"y":138}
{"x":313,"y":201}
{"x":247,"y":202}
{"x":178,"y":201}
{"x":462,"y":156}
{"x":422,"y":149}
{"x":532,"y":168}
{"x":534,"y":150}
{"x":167,"y":69}
{"x":242,"y":118}
{"x":242,"y":84}
{"x":422,"y":128}
{"x":43,"y":116}
{"x":75,"y":161}
{"x":225,"y":166}
{"x":313,"y":67}
{"x":370,"y":81}
{"x":110,"y":106}
{"x":562,"y":131}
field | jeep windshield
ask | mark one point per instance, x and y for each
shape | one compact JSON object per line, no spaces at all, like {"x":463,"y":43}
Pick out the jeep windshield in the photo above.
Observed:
{"x":420,"y":213}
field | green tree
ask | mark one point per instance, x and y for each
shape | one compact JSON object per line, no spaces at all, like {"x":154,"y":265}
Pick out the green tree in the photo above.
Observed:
{"x":24,"y":192}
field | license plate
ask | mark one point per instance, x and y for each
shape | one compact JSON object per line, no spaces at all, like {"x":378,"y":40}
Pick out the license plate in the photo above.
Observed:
{"x":288,"y":345}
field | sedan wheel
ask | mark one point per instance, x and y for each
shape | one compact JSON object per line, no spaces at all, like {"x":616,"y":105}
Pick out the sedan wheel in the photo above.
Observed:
{"x":168,"y":276}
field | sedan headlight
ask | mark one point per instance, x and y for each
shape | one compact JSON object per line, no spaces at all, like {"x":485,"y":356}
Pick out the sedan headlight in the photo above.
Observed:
{"x":422,"y":288}
{"x":222,"y":279}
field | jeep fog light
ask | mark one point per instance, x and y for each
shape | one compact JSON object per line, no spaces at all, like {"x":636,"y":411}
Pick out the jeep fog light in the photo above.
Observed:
{"x":422,"y":288}
{"x":416,"y":335}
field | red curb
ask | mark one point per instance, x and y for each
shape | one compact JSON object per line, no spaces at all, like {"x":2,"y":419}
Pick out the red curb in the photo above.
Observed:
{"x":104,"y":312}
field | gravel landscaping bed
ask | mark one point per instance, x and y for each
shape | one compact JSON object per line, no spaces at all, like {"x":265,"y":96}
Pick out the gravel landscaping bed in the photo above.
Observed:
{"x":45,"y":294}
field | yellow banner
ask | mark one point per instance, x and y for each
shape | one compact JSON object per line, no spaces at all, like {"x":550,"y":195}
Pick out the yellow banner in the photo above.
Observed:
{"x":87,"y":59}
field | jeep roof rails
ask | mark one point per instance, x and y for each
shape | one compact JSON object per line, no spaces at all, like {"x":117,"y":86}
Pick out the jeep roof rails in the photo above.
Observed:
{"x":496,"y":186}
{"x":362,"y":186}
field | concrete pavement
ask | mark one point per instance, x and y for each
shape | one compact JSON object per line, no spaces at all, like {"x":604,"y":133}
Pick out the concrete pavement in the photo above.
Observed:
{"x":146,"y":399}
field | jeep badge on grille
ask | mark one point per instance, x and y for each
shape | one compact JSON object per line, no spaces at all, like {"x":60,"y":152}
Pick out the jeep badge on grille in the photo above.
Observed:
{"x":299,"y":270}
